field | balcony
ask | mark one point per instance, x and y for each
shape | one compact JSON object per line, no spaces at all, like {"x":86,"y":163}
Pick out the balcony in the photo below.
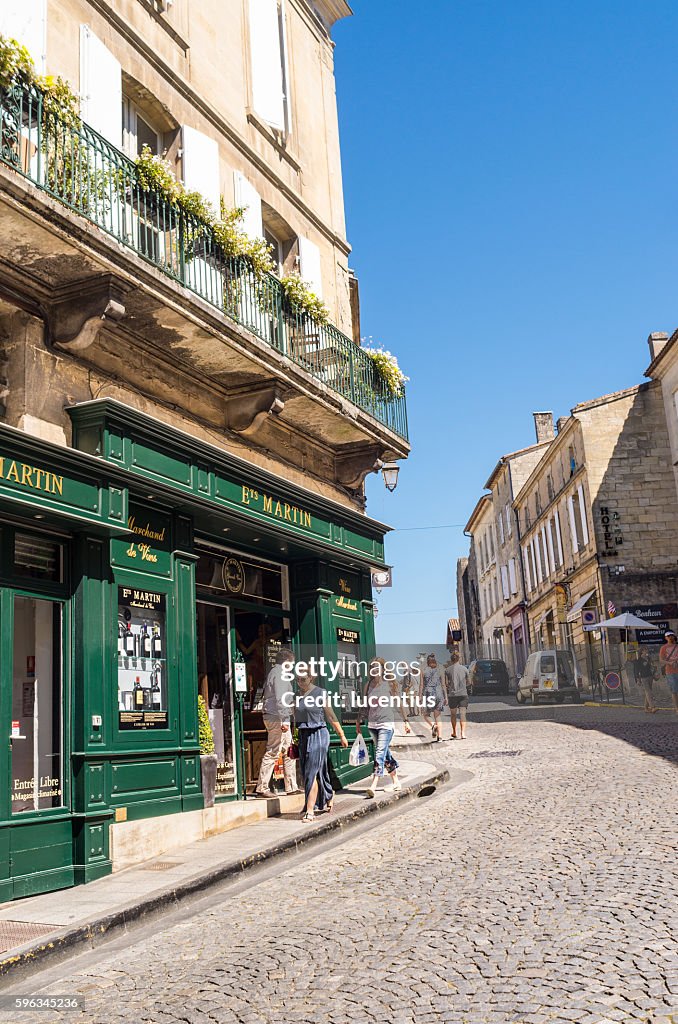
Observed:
{"x":123,"y":228}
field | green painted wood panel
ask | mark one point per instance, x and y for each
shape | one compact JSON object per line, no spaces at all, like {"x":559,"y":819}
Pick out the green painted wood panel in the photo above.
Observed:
{"x":143,"y":778}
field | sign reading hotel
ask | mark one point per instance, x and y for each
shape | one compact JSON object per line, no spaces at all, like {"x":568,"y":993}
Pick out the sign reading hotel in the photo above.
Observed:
{"x":271,"y":506}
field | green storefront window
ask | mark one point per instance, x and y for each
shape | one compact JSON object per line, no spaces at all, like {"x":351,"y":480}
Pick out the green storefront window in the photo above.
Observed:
{"x":142,"y":662}
{"x":36,"y":731}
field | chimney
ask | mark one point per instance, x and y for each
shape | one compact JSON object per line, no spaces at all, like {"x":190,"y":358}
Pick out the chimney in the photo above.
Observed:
{"x":656,"y":341}
{"x":560,"y":424}
{"x":543,"y":425}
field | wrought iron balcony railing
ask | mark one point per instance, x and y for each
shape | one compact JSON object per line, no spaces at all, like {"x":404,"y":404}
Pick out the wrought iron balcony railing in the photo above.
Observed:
{"x":77,"y":166}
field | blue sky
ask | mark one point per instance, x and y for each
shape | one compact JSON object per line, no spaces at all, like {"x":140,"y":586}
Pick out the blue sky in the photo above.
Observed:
{"x":510,"y":188}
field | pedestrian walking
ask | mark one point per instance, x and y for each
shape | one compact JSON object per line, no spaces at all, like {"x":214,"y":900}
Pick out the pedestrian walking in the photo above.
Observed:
{"x":312,"y":712}
{"x":433,"y":695}
{"x":668,"y":659}
{"x":383,"y":698}
{"x":277,"y":708}
{"x":456,"y":680}
{"x":643,"y":674}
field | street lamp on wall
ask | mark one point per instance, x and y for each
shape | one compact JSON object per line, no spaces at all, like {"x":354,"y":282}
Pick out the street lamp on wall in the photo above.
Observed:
{"x":390,"y":472}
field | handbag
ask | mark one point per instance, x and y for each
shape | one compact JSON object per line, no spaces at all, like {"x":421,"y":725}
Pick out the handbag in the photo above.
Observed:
{"x":293,"y":752}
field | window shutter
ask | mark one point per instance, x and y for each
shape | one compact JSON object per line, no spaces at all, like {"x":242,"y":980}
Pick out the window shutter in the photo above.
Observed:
{"x":267,"y":74}
{"x":201,"y":165}
{"x":513,"y":583}
{"x":25,"y":21}
{"x":309,"y":265}
{"x":559,"y":539}
{"x":582,"y":510}
{"x":535,"y":556}
{"x":547,"y":562}
{"x":528,"y":578}
{"x":549,"y":537}
{"x":573,"y":525}
{"x":247,"y":196}
{"x":509,"y":518}
{"x":501,"y":528}
{"x":100,"y":87}
{"x":504,"y":583}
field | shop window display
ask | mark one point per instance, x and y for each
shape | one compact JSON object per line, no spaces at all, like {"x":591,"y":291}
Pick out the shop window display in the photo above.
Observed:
{"x":142,"y":664}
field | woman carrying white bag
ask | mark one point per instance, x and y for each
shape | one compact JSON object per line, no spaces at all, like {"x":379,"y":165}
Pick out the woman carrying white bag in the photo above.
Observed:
{"x":381,"y":722}
{"x":358,"y":753}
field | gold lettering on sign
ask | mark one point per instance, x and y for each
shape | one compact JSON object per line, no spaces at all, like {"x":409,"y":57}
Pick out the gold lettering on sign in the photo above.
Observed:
{"x":30,"y":476}
{"x":277,"y":509}
{"x":344,"y":587}
{"x":145,"y":531}
{"x":349,"y":606}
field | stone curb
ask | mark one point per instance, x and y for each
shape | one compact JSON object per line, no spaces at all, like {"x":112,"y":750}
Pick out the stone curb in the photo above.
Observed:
{"x":623,"y":707}
{"x":51,"y":948}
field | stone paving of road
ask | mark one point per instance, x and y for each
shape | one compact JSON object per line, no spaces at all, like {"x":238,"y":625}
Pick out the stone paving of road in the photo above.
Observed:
{"x":542,"y":890}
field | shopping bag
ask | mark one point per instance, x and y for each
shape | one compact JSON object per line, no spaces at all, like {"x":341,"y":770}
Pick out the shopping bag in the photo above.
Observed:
{"x":358,"y":754}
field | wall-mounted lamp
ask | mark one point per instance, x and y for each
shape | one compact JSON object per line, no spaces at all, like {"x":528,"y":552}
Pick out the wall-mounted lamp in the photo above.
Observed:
{"x":390,"y":472}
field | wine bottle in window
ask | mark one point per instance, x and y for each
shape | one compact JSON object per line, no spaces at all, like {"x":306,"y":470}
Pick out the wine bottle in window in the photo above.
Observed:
{"x":145,"y":642}
{"x":157,"y":642}
{"x":121,"y":639}
{"x":129,"y":641}
{"x":138,"y":694}
{"x":137,"y":644}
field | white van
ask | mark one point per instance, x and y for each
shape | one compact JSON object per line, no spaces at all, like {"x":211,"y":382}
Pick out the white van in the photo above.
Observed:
{"x":550,"y":675}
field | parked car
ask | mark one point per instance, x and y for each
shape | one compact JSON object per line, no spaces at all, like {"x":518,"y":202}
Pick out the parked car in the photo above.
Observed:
{"x":488,"y":675}
{"x":550,"y":675}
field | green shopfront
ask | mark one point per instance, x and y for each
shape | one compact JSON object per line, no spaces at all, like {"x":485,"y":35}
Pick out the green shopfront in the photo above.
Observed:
{"x":138,"y":569}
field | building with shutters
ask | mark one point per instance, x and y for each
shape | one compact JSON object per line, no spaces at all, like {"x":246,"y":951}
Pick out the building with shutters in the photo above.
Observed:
{"x":490,"y":590}
{"x":182,"y":447}
{"x":597,"y":523}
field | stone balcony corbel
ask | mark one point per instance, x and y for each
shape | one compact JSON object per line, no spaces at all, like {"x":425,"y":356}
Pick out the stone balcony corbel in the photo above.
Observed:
{"x":77,"y":313}
{"x":248,"y":410}
{"x":356,"y":462}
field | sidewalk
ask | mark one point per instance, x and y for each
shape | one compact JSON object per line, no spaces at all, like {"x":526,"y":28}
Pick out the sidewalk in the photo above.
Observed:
{"x":47,"y":927}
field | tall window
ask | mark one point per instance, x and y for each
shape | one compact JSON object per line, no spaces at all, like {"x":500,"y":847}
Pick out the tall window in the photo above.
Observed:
{"x":137,"y":131}
{"x":500,"y":522}
{"x":509,"y":520}
{"x":578,"y":523}
{"x":270,"y":75}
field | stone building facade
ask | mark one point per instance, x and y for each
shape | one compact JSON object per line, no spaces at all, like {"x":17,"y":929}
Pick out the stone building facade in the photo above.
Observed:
{"x":597,"y":521}
{"x":182,"y":447}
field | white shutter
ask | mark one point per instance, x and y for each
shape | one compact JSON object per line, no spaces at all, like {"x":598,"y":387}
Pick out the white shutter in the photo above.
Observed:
{"x":509,"y":523}
{"x":504,"y":583}
{"x":535,"y":557}
{"x":267,"y":65}
{"x":100,"y":87}
{"x":559,"y":539}
{"x":501,"y":528}
{"x":582,"y":510}
{"x":201,"y":165}
{"x":247,"y":196}
{"x":528,"y":577}
{"x":309,"y":265}
{"x":573,"y":524}
{"x":513,"y":582}
{"x":549,"y":537}
{"x":25,"y":21}
{"x":547,"y":563}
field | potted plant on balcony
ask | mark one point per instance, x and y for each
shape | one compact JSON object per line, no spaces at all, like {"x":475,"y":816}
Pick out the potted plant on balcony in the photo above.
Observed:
{"x":208,"y":758}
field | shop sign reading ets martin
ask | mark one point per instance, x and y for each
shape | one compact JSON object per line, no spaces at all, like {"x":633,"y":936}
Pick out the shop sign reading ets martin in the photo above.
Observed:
{"x":148,"y":550}
{"x":281,"y":510}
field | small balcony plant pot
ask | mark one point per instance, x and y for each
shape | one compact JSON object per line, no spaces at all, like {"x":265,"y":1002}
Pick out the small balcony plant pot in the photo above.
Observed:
{"x":208,"y":771}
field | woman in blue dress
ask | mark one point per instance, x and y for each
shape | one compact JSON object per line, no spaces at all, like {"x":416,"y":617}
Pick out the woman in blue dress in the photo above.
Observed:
{"x":313,"y":712}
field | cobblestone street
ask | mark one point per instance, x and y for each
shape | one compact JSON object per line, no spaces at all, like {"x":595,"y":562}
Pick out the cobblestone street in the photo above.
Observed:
{"x":541,"y":890}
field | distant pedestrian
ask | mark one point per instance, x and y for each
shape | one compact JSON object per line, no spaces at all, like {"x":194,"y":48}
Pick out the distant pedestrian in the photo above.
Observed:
{"x":277,"y":708}
{"x":668,"y":659}
{"x":432,"y":693}
{"x":456,"y":680}
{"x":643,"y":674}
{"x":312,"y":712}
{"x":383,"y":700}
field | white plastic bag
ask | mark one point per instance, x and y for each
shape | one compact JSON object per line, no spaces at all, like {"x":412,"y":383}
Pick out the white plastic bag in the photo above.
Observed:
{"x":358,"y":754}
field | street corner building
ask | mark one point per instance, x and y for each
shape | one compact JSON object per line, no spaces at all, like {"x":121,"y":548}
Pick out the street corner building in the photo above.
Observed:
{"x":183,"y":438}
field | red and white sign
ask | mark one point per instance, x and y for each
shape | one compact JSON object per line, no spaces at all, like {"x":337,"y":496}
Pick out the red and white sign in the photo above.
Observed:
{"x":16,"y":728}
